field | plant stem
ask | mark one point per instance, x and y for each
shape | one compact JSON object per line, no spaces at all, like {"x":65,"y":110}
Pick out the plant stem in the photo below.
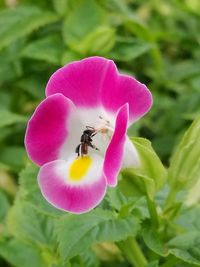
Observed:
{"x":137,"y":252}
{"x":133,"y":252}
{"x":153,"y":212}
{"x":127,"y":252}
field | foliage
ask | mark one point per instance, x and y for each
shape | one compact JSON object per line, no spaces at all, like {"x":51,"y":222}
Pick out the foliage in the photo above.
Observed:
{"x":152,"y":218}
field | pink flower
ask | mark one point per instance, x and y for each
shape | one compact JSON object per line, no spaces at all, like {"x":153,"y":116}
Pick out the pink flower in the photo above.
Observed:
{"x":84,"y":95}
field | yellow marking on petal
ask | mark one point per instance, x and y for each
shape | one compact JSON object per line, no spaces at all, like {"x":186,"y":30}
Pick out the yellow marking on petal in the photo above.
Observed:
{"x":79,"y":168}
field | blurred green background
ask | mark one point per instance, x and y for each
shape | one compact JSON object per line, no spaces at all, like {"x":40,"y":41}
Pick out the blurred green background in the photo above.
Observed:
{"x":155,"y":41}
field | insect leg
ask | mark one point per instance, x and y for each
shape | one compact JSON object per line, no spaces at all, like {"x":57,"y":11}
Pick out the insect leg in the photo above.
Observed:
{"x":94,"y":134}
{"x":92,"y":146}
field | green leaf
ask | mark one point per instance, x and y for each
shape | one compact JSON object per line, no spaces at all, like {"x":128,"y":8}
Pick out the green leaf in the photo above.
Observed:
{"x":77,"y":233}
{"x":4,"y":100}
{"x":48,"y":49}
{"x":116,"y":198}
{"x":69,"y":56}
{"x":149,"y":177}
{"x":186,"y":247}
{"x":89,"y":259}
{"x":7,"y":183}
{"x":184,"y":169}
{"x":29,"y":225}
{"x":7,"y":72}
{"x":30,"y":192}
{"x":13,"y":157}
{"x":28,"y":219}
{"x":184,"y":70}
{"x":75,"y":32}
{"x":129,"y":49}
{"x":4,"y":204}
{"x":193,"y":196}
{"x":126,"y":205}
{"x":20,"y":254}
{"x":152,"y":264}
{"x":193,"y":6}
{"x":137,"y":26}
{"x":152,"y":239}
{"x":151,"y":165}
{"x":20,"y":21}
{"x":60,"y":6}
{"x":34,"y":85}
{"x":136,"y":185}
{"x":189,"y":219}
{"x":100,"y":41}
{"x":11,"y":67}
{"x":8,"y":118}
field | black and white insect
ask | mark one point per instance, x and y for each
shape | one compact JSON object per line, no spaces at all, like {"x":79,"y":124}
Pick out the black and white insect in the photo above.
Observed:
{"x":86,"y":141}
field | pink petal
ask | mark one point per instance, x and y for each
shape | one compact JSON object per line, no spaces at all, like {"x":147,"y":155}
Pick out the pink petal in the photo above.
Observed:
{"x":95,"y":81}
{"x":81,"y":81}
{"x":115,"y":151}
{"x":62,"y":194}
{"x":47,"y":129}
{"x":125,"y":89}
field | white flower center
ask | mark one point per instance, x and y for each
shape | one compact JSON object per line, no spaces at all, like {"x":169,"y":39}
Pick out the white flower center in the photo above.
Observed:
{"x":104,"y":127}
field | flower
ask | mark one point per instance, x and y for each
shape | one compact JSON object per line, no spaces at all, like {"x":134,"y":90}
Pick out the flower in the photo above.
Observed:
{"x":87,"y":95}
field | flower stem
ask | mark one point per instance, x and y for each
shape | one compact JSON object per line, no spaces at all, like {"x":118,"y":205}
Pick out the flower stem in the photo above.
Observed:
{"x":137,"y":252}
{"x":153,"y":212}
{"x":133,"y":252}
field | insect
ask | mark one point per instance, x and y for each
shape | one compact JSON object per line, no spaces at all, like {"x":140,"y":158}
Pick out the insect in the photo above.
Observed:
{"x":86,"y":141}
